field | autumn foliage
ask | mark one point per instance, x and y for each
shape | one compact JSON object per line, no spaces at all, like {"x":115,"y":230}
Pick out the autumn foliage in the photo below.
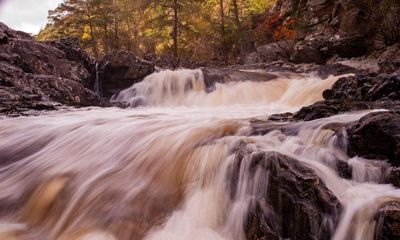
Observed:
{"x":274,"y":27}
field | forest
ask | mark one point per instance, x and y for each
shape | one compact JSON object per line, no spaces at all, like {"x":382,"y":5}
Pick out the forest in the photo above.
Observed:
{"x":179,"y":28}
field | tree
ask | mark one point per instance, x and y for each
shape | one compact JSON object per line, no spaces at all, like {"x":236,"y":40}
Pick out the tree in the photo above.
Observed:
{"x":196,"y":29}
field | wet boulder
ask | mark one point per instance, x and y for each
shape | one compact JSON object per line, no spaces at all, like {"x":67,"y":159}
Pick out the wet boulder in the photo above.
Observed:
{"x":289,"y":200}
{"x":376,"y":136}
{"x":387,"y":87}
{"x":392,"y":176}
{"x":120,"y":70}
{"x":388,"y":221}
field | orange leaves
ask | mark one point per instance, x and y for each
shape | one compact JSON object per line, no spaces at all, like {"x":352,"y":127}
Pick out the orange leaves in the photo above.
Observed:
{"x":275,"y":28}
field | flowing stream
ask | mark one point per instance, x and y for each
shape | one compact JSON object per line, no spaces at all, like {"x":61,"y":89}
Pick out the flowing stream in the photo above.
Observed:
{"x":160,"y":171}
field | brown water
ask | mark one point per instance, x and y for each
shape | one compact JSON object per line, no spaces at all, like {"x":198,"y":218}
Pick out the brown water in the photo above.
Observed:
{"x":160,"y":171}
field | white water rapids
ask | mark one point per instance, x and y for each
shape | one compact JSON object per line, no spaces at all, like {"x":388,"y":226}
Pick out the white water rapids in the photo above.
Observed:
{"x":159,"y":172}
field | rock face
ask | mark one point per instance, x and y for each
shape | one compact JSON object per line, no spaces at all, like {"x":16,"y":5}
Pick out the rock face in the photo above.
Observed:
{"x":271,"y":52}
{"x":366,"y":87}
{"x":389,"y":61}
{"x":120,"y":70}
{"x":318,"y":49}
{"x":35,"y":75}
{"x":388,"y":225}
{"x":291,"y":201}
{"x":331,"y":28}
{"x":376,"y":136}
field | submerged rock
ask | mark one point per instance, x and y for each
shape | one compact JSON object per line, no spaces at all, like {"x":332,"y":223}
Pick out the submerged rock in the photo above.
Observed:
{"x":289,"y":200}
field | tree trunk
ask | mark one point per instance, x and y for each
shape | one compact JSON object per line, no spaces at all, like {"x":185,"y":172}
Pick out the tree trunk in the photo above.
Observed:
{"x":92,"y":34}
{"x":223,"y":37}
{"x":238,"y":26}
{"x":175,"y":29}
{"x":116,"y":26}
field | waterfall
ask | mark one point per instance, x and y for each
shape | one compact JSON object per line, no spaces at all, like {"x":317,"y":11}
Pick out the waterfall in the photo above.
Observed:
{"x":188,"y":88}
{"x":164,"y":170}
{"x":97,"y":83}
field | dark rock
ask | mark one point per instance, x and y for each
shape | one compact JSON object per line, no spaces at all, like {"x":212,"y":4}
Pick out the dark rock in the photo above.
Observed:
{"x":73,"y":93}
{"x":329,"y":108}
{"x":343,"y":169}
{"x":354,"y":17}
{"x":366,"y":87}
{"x":376,"y":136}
{"x":389,"y":61}
{"x":122,"y":69}
{"x":324,"y":28}
{"x":225,"y":75}
{"x":359,"y":92}
{"x":319,"y":48}
{"x":392,"y":176}
{"x":260,"y":223}
{"x":290,"y":201}
{"x":33,"y":75}
{"x":271,"y":52}
{"x":387,"y":87}
{"x":388,"y":221}
{"x":344,"y":88}
{"x":74,"y":53}
{"x":347,"y":47}
{"x":281,"y":117}
{"x":335,"y":69}
{"x":309,"y":51}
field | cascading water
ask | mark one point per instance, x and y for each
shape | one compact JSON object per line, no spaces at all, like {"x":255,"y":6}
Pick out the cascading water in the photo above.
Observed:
{"x":97,"y":81}
{"x":163,"y":171}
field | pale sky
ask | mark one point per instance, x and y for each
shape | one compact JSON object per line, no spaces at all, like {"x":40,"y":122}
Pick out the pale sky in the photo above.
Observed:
{"x":26,"y":15}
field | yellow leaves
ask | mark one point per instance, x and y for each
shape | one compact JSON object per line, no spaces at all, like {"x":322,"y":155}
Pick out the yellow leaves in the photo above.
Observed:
{"x":86,"y":33}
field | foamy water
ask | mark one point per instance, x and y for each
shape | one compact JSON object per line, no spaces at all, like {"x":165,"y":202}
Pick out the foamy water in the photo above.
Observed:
{"x":160,"y":171}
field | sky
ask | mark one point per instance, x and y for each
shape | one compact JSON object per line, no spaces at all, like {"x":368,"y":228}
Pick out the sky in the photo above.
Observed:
{"x":26,"y":15}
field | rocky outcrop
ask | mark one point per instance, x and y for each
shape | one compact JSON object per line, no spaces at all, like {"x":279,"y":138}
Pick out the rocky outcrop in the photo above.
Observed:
{"x":119,"y":70}
{"x":291,"y":201}
{"x":387,"y":218}
{"x":389,"y":60}
{"x":42,"y":75}
{"x":366,"y":87}
{"x":271,"y":52}
{"x":392,"y":176}
{"x":376,"y":136}
{"x":359,"y":92}
{"x":330,"y":29}
{"x":319,"y":48}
